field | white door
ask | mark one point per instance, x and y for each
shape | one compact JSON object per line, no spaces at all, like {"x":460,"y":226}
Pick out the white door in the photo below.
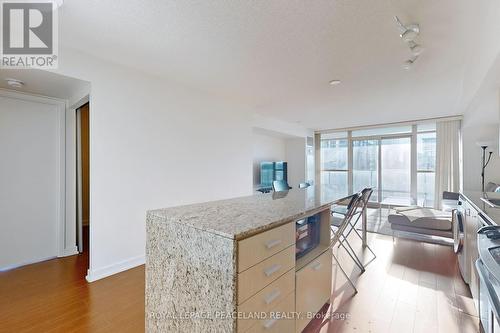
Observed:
{"x":30,"y":181}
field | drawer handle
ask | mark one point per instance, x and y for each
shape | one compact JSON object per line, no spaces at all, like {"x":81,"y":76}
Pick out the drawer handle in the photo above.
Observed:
{"x":317,"y":266}
{"x":273,"y":243}
{"x":272,"y":296}
{"x":270,"y":323}
{"x":271,"y":270}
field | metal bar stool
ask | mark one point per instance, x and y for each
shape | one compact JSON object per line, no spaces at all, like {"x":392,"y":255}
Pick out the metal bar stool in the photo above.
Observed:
{"x":350,"y":212}
{"x":363,"y":204}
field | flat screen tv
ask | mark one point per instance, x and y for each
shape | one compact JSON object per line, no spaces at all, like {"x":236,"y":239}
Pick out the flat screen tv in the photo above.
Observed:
{"x":271,"y":171}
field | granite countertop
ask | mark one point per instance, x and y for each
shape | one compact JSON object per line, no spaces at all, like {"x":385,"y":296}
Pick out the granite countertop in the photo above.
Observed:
{"x":492,"y":215}
{"x":242,"y":217}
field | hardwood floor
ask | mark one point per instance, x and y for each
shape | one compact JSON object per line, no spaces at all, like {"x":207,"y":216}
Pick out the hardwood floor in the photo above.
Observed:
{"x":53,"y":296}
{"x":410,"y":287}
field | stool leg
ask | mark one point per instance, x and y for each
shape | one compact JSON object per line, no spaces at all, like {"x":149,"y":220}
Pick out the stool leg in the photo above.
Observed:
{"x":345,"y":274}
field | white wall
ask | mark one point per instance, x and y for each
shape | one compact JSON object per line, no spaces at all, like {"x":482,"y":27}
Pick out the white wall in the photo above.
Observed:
{"x":153,"y":144}
{"x":296,"y":157}
{"x":285,"y":128}
{"x":267,"y":146}
{"x":472,"y":155}
{"x":31,"y":212}
{"x":481,"y":123}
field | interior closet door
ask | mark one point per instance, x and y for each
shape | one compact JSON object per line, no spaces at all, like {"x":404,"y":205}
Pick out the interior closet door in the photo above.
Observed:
{"x":31,"y":190}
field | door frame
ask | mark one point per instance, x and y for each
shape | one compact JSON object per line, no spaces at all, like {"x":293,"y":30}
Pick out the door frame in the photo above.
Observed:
{"x":76,"y":144}
{"x":65,"y":231}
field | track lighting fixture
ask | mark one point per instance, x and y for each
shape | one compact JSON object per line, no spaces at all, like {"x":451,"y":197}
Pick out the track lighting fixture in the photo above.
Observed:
{"x":408,"y":34}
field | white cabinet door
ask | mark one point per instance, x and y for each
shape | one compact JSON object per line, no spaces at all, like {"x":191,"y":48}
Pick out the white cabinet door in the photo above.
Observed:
{"x":313,"y":287}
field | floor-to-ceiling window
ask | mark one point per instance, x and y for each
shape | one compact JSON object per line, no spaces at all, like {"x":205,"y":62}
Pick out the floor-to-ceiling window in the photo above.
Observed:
{"x":365,"y":156}
{"x":396,"y":167}
{"x":426,"y":163}
{"x":398,"y":162}
{"x":334,"y":162}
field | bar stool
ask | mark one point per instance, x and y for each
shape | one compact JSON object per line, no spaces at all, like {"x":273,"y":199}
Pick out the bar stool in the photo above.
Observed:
{"x":350,"y":213}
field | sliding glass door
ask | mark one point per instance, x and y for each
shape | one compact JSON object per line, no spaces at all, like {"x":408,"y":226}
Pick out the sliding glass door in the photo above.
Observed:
{"x":334,"y":164}
{"x":365,"y":166}
{"x":383,"y":164}
{"x":397,"y":162}
{"x":396,"y":167}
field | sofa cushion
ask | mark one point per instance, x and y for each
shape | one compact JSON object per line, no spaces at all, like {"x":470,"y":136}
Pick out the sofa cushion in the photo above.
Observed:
{"x":432,"y":232}
{"x":425,"y":218}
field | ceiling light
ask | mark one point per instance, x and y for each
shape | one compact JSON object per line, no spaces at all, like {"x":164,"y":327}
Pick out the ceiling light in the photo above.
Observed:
{"x":334,"y":82}
{"x":409,"y":63}
{"x":415,"y":48}
{"x":17,"y":84}
{"x":410,"y":33}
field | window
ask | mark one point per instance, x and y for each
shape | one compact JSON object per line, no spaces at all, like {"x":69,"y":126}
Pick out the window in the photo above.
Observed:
{"x":396,"y":167}
{"x":334,"y":161}
{"x":383,"y":159}
{"x":426,"y":168}
{"x":365,"y":165}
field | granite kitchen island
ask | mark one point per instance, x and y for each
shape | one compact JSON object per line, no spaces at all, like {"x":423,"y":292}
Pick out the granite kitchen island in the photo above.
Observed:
{"x":211,"y":266}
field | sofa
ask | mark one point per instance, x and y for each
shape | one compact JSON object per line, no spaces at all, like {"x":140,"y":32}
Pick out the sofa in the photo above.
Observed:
{"x":420,"y":220}
{"x":426,"y":221}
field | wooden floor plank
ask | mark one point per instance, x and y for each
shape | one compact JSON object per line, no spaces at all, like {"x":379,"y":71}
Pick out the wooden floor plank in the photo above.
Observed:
{"x":409,"y":287}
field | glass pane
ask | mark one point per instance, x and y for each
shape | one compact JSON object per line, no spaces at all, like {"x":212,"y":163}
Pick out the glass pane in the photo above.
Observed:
{"x":425,"y":188}
{"x":334,"y":135}
{"x":396,"y":168}
{"x":382,"y":131}
{"x":426,"y":151}
{"x":334,"y":154}
{"x":365,"y":166}
{"x":335,"y":182}
{"x":426,"y":127}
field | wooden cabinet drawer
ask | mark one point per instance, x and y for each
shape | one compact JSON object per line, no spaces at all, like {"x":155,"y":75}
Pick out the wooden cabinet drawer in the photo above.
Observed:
{"x":313,"y":287}
{"x":266,"y":299}
{"x":259,"y":276}
{"x":254,"y":249}
{"x":275,"y":325}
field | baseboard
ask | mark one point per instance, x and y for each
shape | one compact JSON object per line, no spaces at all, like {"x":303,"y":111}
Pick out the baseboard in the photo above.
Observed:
{"x":100,"y":273}
{"x":69,"y":251}
{"x":8,"y":268}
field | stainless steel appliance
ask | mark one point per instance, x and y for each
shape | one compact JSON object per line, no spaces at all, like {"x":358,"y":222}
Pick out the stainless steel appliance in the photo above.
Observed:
{"x":307,"y":234}
{"x":459,"y":242}
{"x":488,"y":270}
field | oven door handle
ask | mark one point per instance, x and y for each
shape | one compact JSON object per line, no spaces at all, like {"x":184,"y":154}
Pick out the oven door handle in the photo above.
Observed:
{"x":492,"y":295}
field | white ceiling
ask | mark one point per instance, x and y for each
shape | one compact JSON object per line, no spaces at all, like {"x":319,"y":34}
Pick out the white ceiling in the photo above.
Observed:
{"x":279,"y":55}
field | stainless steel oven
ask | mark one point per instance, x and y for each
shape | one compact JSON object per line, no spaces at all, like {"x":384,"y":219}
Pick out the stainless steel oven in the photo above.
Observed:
{"x":307,"y":235}
{"x":488,"y":270}
{"x":459,"y":242}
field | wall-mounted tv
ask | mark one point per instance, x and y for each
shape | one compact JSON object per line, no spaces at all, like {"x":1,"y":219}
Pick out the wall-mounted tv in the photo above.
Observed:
{"x":271,"y":171}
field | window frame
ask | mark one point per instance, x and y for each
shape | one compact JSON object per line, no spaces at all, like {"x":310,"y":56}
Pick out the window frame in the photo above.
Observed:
{"x":413,"y":135}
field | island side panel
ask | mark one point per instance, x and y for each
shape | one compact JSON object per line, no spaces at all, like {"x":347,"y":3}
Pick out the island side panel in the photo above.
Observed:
{"x":189,"y":272}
